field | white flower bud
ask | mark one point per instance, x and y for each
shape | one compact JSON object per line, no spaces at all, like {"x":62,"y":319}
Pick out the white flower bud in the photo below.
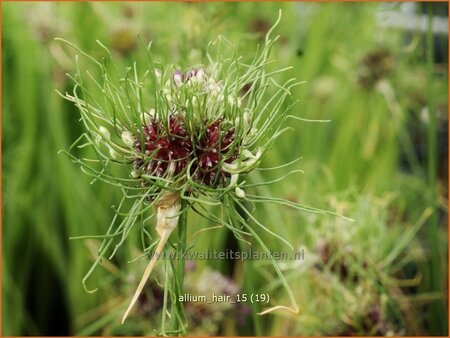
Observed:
{"x":134,"y":173}
{"x":230,"y":167}
{"x":250,"y":159}
{"x":255,"y":158}
{"x":240,"y":193}
{"x":112,"y":153}
{"x":104,"y":132}
{"x":127,"y":138}
{"x":247,"y":154}
{"x":200,"y":75}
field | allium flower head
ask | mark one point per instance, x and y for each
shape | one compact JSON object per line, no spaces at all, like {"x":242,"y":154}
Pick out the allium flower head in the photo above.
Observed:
{"x":188,"y":139}
{"x":185,"y":137}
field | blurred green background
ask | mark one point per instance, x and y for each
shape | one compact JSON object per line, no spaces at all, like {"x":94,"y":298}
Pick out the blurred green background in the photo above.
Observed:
{"x":377,"y":71}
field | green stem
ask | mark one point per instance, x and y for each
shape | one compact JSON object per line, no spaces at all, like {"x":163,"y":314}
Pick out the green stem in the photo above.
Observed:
{"x":166,"y":291}
{"x":249,"y":286}
{"x":181,"y":245}
{"x":178,"y":317}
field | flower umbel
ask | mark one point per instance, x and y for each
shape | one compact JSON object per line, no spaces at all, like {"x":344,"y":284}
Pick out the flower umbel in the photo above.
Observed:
{"x":186,"y":138}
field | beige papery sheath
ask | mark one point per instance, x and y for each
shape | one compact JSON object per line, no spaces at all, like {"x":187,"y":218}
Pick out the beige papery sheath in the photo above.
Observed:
{"x":168,"y":209}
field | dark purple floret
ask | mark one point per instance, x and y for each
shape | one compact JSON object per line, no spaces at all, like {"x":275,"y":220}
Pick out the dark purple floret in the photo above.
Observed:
{"x":169,"y":147}
{"x":165,"y":147}
{"x":214,"y":147}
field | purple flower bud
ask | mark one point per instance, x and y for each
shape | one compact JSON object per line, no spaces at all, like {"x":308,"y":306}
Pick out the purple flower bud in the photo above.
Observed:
{"x":195,"y":75}
{"x":178,"y":78}
{"x":191,"y":73}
